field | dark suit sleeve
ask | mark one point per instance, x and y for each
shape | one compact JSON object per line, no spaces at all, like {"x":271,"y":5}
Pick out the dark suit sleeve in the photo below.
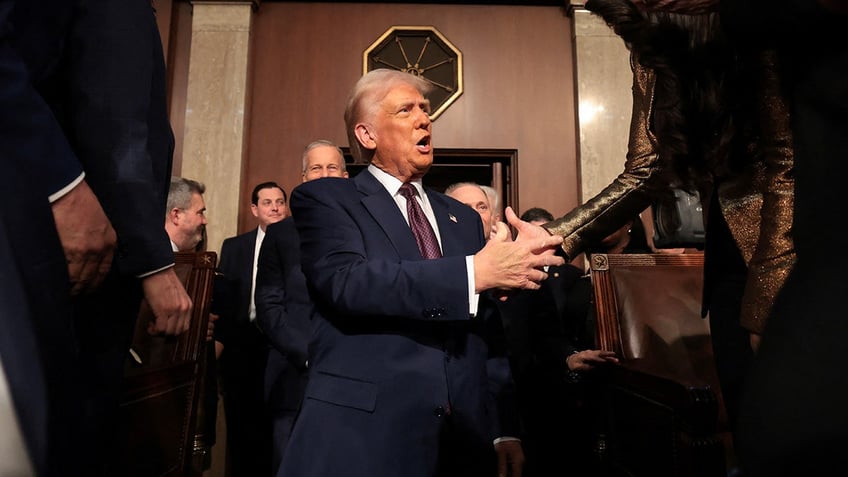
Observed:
{"x":284,"y":321}
{"x":118,"y":124}
{"x":502,"y":387}
{"x":225,"y":297}
{"x":30,"y":134}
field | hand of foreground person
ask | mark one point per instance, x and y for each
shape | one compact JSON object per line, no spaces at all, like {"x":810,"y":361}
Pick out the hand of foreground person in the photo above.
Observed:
{"x":169,"y":302}
{"x":87,"y":237}
{"x":510,"y":458}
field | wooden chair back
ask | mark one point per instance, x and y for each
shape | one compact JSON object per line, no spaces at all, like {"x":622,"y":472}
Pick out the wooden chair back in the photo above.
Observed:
{"x":649,"y":311}
{"x":162,"y":415}
{"x":663,"y":410}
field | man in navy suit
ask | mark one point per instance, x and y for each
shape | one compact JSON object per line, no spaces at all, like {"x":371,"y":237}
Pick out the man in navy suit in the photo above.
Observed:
{"x":84,"y":128}
{"x":283,"y":307}
{"x":398,"y":380}
{"x":244,"y":348}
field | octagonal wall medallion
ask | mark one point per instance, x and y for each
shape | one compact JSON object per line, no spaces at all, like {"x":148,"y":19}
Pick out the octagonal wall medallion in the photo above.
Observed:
{"x":422,"y":51}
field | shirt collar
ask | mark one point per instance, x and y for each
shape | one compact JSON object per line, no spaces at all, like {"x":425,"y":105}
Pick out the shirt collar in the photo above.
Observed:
{"x":392,"y":183}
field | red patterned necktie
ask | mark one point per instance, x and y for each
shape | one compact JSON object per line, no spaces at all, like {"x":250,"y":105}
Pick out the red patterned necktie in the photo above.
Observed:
{"x":428,"y":244}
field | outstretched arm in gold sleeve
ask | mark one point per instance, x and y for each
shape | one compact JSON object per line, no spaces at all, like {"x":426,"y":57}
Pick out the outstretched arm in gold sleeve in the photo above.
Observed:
{"x":625,"y":197}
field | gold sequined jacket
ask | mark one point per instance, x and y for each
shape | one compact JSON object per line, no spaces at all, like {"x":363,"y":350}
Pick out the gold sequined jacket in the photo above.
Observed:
{"x":757,"y":206}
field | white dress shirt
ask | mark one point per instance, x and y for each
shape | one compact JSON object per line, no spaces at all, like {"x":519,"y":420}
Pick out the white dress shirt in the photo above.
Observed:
{"x":260,"y":236}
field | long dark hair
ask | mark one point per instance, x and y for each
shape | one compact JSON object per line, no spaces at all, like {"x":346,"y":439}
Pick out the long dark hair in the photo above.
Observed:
{"x":696,"y":95}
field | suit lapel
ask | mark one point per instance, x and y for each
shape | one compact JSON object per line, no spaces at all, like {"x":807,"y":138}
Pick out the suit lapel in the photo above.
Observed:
{"x":455,"y":239}
{"x":248,"y":247}
{"x":385,"y":212}
{"x":454,"y":235}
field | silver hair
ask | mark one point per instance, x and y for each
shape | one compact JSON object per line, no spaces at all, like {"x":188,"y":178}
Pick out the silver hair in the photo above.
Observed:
{"x":494,"y":199}
{"x":456,"y":185}
{"x":321,"y":143}
{"x":180,"y":192}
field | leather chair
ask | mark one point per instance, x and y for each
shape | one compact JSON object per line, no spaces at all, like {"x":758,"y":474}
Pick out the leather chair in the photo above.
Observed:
{"x":164,"y":427}
{"x":661,"y":410}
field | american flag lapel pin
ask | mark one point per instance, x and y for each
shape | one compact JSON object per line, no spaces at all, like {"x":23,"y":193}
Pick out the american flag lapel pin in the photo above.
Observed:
{"x":452,"y":218}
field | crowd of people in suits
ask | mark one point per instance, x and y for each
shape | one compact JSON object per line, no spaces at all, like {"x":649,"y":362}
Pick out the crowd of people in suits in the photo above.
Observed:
{"x":545,"y":336}
{"x":408,"y":305}
{"x":539,"y":341}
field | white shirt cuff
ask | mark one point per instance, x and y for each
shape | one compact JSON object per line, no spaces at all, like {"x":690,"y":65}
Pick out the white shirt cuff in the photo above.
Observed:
{"x":505,"y":439}
{"x":147,"y":274}
{"x":64,"y":190}
{"x":473,"y":298}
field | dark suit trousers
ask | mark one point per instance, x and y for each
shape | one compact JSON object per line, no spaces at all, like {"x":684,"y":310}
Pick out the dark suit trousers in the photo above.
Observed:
{"x":462,"y":453}
{"x":242,"y":371}
{"x":724,"y":283}
{"x":105,"y":322}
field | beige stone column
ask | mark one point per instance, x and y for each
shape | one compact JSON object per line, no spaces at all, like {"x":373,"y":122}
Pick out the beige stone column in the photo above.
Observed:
{"x":604,"y":80}
{"x":214,"y":142}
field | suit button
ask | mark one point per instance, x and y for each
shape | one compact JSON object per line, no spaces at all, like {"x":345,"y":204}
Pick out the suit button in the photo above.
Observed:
{"x":439,"y":412}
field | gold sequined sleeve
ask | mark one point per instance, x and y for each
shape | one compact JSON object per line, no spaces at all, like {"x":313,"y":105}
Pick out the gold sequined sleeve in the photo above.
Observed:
{"x":774,"y":254}
{"x":625,"y":197}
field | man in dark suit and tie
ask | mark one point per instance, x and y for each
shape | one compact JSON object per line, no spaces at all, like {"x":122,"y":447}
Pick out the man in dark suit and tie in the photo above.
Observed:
{"x":244,"y":348}
{"x":398,"y":361}
{"x":84,"y":127}
{"x":283,"y":307}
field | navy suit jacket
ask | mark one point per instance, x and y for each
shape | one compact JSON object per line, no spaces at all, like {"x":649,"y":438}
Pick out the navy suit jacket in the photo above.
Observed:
{"x":65,"y":110}
{"x":284,"y":311}
{"x":37,"y":346}
{"x":82,"y":90}
{"x":232,"y":299}
{"x":395,"y":349}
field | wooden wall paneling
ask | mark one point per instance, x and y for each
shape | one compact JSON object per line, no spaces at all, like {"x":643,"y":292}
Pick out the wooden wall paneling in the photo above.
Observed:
{"x":518,"y":87}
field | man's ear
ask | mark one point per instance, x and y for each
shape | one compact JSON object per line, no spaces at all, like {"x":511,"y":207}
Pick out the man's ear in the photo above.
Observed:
{"x":174,"y":215}
{"x":364,"y":136}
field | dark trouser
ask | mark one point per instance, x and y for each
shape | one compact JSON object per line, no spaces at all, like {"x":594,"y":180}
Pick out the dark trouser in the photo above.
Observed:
{"x":794,"y":418}
{"x":462,"y":452}
{"x":105,"y":322}
{"x":249,"y":436}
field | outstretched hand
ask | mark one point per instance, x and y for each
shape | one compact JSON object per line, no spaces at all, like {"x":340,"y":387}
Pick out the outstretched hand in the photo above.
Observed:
{"x":504,"y":263}
{"x":526,"y":230}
